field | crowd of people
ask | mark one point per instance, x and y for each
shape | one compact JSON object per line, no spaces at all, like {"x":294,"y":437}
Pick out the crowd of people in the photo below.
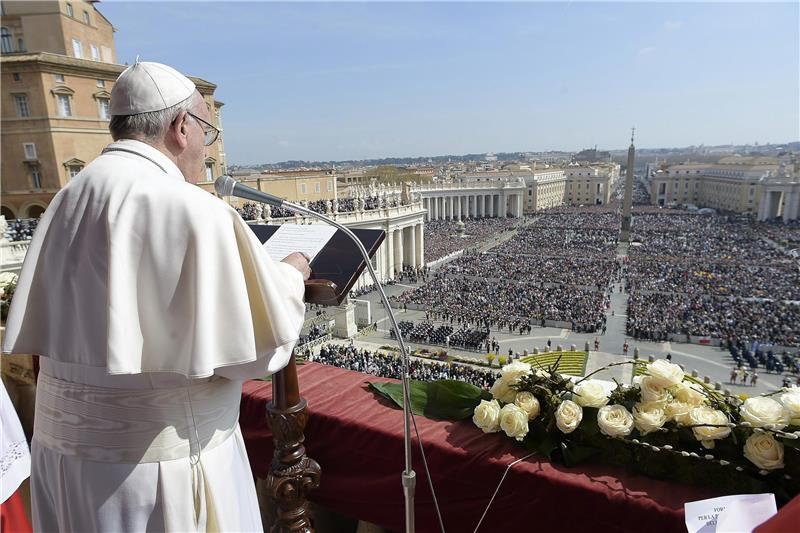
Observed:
{"x":484,"y":304}
{"x":391,"y":366}
{"x":315,"y":332}
{"x":444,"y":335}
{"x":441,"y":238}
{"x":21,"y":229}
{"x":546,"y":241}
{"x":536,"y":269}
{"x":712,"y":276}
{"x":249,"y":210}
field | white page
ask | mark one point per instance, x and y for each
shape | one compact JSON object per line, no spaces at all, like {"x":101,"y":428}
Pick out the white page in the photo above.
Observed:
{"x":288,"y":238}
{"x":741,"y":512}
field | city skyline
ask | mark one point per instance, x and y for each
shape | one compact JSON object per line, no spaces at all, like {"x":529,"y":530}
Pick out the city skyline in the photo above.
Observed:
{"x":321,"y":82}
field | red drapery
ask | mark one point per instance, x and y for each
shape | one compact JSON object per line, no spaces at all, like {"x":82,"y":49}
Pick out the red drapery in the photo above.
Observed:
{"x":357,"y":439}
{"x":12,"y":515}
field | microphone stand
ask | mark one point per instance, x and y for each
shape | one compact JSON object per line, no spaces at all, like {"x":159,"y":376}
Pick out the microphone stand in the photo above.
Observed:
{"x":409,"y":477}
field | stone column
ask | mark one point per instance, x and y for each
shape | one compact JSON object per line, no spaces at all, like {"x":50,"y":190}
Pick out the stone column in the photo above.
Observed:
{"x":762,"y":205}
{"x":474,"y":206}
{"x":388,"y":244}
{"x":398,"y":250}
{"x":458,"y":208}
{"x":419,"y":229}
{"x":491,"y":205}
{"x":411,"y":251}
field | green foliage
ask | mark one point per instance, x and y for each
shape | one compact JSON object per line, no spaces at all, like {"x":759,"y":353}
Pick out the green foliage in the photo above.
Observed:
{"x":443,"y":399}
{"x":5,"y":299}
{"x":501,"y":360}
{"x":490,"y":358}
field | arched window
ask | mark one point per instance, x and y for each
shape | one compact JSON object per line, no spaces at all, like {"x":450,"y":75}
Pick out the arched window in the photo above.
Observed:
{"x":5,"y":41}
{"x":35,"y":211}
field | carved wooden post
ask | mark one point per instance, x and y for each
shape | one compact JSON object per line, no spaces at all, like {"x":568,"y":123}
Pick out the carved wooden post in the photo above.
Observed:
{"x":292,"y":475}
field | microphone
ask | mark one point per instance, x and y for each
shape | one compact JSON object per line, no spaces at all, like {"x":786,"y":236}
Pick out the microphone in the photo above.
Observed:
{"x":227,"y":186}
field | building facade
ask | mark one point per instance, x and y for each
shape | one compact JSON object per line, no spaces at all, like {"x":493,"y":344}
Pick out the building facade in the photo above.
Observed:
{"x":733,"y":184}
{"x":54,"y":104}
{"x":291,"y":185}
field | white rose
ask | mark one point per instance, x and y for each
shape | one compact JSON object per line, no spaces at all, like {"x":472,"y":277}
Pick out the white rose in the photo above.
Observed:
{"x":614,"y":420}
{"x":665,"y":373}
{"x":513,"y":371}
{"x":652,"y":390}
{"x":707,"y":415}
{"x":514,"y":421}
{"x":791,"y":403}
{"x":689,"y":394}
{"x":568,"y":416}
{"x":487,"y":416}
{"x":648,"y":417}
{"x":590,"y":393}
{"x":528,"y":403}
{"x":678,"y":412}
{"x":502,"y":391}
{"x":761,"y":411}
{"x":764,"y":451}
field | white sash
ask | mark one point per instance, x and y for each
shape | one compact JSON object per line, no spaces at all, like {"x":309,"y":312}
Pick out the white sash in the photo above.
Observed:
{"x":134,"y":425}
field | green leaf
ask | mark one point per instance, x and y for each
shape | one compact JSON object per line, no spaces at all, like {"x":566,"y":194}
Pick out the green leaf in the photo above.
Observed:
{"x":394,"y":392}
{"x":442,"y":399}
{"x":540,"y":440}
{"x":451,"y":400}
{"x":589,"y":422}
{"x":575,"y":453}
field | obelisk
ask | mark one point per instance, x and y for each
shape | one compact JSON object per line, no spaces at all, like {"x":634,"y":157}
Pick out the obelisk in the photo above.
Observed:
{"x":625,"y":233}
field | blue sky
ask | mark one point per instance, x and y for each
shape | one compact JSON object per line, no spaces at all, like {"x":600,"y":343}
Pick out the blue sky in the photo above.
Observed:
{"x":334,"y":81}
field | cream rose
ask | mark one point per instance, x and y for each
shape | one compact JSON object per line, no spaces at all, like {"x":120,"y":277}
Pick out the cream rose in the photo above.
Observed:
{"x":678,"y":412}
{"x":791,"y":404}
{"x":652,"y":390}
{"x":514,"y":421}
{"x":615,"y":420}
{"x":707,"y":415}
{"x":590,"y":393}
{"x":513,"y":371}
{"x":502,"y":391}
{"x":487,"y":416}
{"x":665,"y":373}
{"x":762,"y":411}
{"x":764,"y":451}
{"x":648,"y":417}
{"x":528,"y":403}
{"x":689,"y":394}
{"x":568,"y":416}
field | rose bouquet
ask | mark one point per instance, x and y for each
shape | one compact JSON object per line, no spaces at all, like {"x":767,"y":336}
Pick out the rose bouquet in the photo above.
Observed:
{"x":666,"y":424}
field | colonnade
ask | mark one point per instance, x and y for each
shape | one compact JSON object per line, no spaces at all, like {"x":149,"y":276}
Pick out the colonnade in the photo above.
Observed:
{"x":403,"y":246}
{"x":457,"y":206}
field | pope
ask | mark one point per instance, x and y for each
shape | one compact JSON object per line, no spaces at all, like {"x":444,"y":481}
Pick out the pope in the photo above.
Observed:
{"x":148,"y":301}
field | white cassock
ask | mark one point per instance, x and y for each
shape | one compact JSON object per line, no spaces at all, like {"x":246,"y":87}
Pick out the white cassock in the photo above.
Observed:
{"x":149,"y":300}
{"x":15,"y":459}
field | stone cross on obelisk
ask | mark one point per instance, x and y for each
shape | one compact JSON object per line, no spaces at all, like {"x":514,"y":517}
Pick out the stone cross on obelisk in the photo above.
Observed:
{"x":625,"y":233}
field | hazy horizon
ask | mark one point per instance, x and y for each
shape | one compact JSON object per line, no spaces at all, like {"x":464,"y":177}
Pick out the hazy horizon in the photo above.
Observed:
{"x":353,"y":81}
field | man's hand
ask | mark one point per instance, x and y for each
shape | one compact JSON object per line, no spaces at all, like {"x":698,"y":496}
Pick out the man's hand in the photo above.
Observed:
{"x":300,"y":261}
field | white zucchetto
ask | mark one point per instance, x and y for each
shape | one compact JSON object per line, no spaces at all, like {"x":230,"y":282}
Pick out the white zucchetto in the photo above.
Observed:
{"x":146,"y":87}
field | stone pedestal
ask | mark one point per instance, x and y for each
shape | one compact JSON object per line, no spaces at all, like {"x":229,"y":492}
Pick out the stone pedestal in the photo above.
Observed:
{"x":345,"y":321}
{"x":362,"y":312}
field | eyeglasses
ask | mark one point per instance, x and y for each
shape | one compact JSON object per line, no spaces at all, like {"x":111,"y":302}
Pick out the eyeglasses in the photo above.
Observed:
{"x":210,"y":130}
